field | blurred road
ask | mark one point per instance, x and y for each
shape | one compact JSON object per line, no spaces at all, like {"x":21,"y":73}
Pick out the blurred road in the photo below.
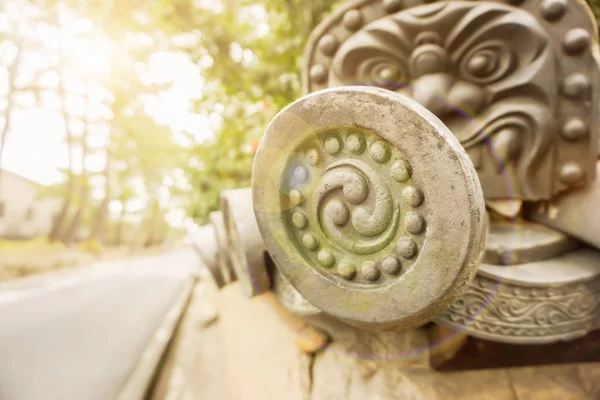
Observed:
{"x":78,"y":336}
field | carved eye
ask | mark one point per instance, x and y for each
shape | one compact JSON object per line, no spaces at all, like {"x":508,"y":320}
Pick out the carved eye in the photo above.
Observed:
{"x":382,"y":71}
{"x":484,"y":63}
{"x":487,"y":63}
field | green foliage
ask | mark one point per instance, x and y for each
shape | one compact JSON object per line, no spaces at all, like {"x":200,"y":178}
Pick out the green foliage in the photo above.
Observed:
{"x":252,"y":51}
{"x":92,"y":246}
{"x":595,"y":5}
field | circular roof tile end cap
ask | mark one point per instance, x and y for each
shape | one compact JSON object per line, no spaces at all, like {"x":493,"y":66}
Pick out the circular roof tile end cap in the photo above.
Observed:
{"x":244,"y":242}
{"x":369,"y":206}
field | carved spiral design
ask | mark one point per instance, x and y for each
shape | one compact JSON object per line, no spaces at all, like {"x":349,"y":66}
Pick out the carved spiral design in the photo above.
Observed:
{"x":353,"y":210}
{"x":354,"y":178}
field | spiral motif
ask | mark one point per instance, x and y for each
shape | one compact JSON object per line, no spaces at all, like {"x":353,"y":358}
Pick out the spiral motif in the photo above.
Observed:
{"x":354,"y":178}
{"x":352,"y":209}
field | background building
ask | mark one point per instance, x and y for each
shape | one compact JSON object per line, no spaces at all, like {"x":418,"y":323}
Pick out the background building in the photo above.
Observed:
{"x":23,"y":214}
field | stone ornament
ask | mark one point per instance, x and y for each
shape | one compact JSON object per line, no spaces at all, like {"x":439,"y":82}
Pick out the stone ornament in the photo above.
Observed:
{"x":516,"y":82}
{"x":523,"y":242}
{"x":542,"y":302}
{"x":368,"y":206}
{"x":244,"y":242}
{"x":575,"y":213}
{"x":205,"y":244}
{"x":288,"y":296}
{"x":223,"y":259}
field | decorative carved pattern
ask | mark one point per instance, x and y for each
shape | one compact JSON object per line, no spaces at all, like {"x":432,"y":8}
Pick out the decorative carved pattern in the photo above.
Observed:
{"x":368,"y":206}
{"x":339,"y":192}
{"x":493,"y":72}
{"x":511,"y":313}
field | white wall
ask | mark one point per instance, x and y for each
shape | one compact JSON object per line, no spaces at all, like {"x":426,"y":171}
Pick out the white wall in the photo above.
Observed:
{"x":19,"y":198}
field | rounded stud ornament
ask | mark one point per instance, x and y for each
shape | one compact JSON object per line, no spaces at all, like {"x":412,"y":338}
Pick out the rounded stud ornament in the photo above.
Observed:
{"x":553,"y":10}
{"x":318,"y":73}
{"x":574,"y":129}
{"x":576,"y":40}
{"x":391,"y":265}
{"x":328,"y":44}
{"x":571,"y":173}
{"x":353,"y":20}
{"x":576,"y":86}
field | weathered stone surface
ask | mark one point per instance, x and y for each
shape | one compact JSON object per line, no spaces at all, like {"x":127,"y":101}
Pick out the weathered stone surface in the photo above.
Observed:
{"x":369,"y":206}
{"x":261,"y":358}
{"x":264,"y":363}
{"x":205,"y":243}
{"x":193,"y":367}
{"x":517,"y":82}
{"x":245,"y":244}
{"x":223,"y":253}
{"x":520,"y":242}
{"x":576,"y":213}
{"x":510,"y":208}
{"x":540,"y":302}
{"x":287,"y":295}
{"x":444,"y":344}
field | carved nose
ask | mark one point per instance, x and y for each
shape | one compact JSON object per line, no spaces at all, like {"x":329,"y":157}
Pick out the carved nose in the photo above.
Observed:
{"x":432,"y":91}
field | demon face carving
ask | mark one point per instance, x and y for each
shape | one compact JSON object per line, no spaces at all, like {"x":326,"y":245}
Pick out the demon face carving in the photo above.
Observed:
{"x":485,"y":69}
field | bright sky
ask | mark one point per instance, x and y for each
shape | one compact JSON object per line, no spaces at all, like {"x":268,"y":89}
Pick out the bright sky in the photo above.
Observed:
{"x":36,"y":147}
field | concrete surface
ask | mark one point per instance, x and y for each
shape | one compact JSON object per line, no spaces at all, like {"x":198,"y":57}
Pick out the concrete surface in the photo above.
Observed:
{"x":79,"y":336}
{"x":194,"y":367}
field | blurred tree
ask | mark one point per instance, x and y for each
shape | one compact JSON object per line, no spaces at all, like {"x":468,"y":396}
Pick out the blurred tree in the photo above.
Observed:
{"x":134,"y":140}
{"x":250,"y":52}
{"x":595,"y":5}
{"x":18,"y":39}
